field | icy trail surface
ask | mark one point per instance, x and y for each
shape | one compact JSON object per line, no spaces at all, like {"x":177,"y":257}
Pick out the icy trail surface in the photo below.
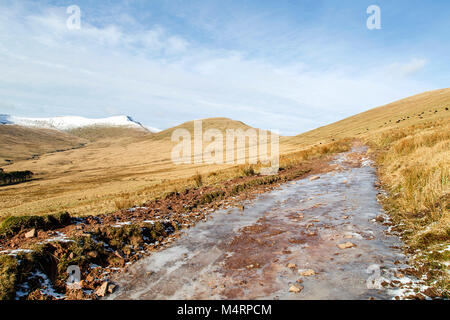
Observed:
{"x":315,"y":238}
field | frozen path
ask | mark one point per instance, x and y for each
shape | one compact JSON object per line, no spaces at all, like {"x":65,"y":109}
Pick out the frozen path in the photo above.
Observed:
{"x":245,"y":254}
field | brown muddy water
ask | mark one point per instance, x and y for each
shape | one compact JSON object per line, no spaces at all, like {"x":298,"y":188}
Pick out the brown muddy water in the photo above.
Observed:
{"x":245,"y":254}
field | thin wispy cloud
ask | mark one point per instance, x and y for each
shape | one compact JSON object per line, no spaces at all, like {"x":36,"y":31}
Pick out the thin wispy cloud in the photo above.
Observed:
{"x":407,"y":68}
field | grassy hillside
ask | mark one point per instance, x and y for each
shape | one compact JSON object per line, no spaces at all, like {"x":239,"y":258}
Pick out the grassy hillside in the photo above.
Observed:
{"x":98,"y":133}
{"x":19,"y":143}
{"x":109,"y":170}
{"x":211,"y":123}
{"x":414,"y":168}
{"x":427,"y":106}
{"x":410,"y":142}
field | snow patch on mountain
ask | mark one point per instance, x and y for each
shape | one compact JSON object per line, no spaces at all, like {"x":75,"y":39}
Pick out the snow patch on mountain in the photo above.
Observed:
{"x":73,"y":122}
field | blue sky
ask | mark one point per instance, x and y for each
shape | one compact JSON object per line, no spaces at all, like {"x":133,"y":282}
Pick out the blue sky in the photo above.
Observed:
{"x":285,"y":65}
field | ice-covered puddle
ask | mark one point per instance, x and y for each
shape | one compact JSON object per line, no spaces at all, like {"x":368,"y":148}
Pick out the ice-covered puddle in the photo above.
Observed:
{"x":319,"y":235}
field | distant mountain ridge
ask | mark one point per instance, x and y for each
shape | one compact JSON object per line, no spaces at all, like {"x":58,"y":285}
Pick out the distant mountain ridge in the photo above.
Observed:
{"x":65,"y":123}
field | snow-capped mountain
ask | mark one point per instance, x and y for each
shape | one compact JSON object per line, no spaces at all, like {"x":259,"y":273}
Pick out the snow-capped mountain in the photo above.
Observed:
{"x":72,"y":122}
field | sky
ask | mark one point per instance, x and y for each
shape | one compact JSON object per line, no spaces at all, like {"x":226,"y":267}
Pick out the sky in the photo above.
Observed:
{"x":283,"y":65}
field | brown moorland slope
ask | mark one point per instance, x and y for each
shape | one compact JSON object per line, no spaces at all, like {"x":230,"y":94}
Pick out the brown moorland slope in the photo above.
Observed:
{"x":427,"y":106}
{"x":107,"y":171}
{"x":110,"y":133}
{"x":20,"y":143}
{"x":221,"y":124}
{"x":410,"y":141}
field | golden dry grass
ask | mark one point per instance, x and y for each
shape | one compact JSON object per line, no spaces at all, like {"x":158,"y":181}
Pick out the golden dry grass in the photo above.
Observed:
{"x":114,"y":172}
{"x":412,"y":110}
{"x":97,"y":133}
{"x":106,"y":173}
{"x":414,"y":165}
{"x":221,"y":124}
{"x":413,"y":160}
{"x":411,"y":140}
{"x":20,"y":143}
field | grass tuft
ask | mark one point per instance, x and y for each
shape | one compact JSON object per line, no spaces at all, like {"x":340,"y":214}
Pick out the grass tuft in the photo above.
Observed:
{"x":8,"y":277}
{"x":14,"y":224}
{"x":198,"y":180}
{"x":248,"y":171}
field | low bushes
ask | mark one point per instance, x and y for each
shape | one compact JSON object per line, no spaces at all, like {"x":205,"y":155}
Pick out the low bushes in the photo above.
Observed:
{"x":15,"y":177}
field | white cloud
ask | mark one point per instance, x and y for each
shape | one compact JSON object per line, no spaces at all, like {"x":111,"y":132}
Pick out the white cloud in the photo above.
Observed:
{"x":163,"y":79}
{"x":176,"y":44}
{"x":407,"y":68}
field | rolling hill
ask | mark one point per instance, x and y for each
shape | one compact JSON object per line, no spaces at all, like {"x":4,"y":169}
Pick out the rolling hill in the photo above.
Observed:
{"x":25,"y":138}
{"x":20,"y":143}
{"x":211,"y":123}
{"x":112,"y":134}
{"x":120,"y":162}
{"x":427,"y":106}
